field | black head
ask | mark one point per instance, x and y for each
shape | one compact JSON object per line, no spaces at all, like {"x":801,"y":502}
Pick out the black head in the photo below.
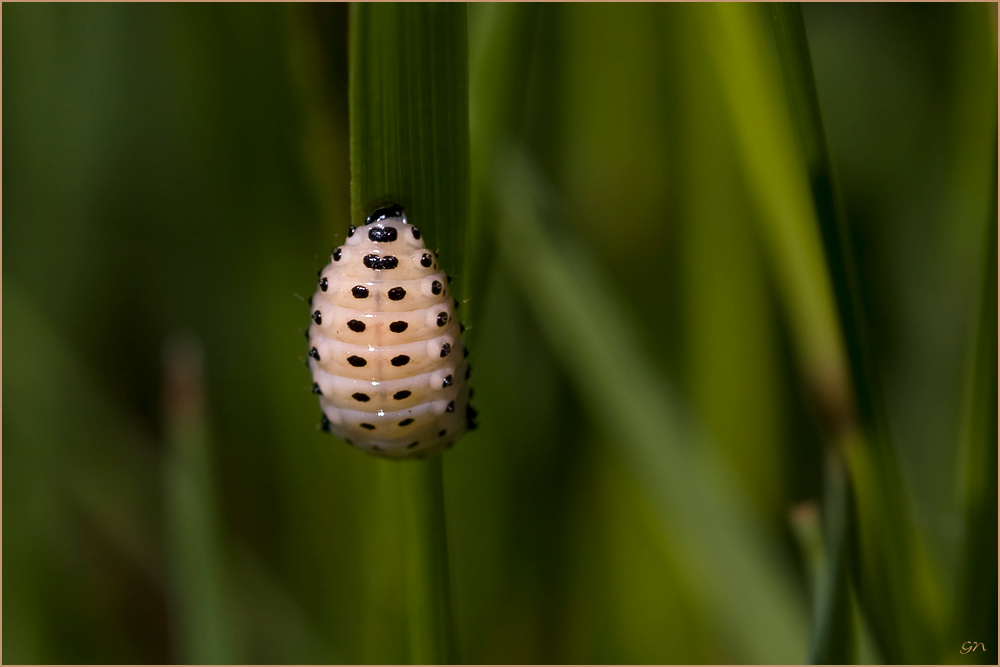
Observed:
{"x":383,"y":212}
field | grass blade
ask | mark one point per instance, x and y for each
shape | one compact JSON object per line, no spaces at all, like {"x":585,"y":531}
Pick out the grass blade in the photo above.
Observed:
{"x":814,"y":263}
{"x":975,"y":616}
{"x":724,"y":545}
{"x":409,"y":119}
{"x":203,"y":632}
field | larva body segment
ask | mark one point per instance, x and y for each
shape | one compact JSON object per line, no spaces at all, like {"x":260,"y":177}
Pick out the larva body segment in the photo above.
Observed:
{"x":385,"y":345}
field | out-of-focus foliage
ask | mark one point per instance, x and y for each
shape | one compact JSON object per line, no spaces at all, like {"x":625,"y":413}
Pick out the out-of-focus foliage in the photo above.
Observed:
{"x":177,"y":172}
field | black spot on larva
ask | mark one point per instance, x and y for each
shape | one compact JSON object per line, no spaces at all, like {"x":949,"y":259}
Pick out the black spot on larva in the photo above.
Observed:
{"x":451,"y":407}
{"x":310,"y":300}
{"x":442,"y":319}
{"x":448,"y":277}
{"x":370,"y":427}
{"x":461,"y":328}
{"x":470,"y":413}
{"x":447,"y":382}
{"x":391,"y":211}
{"x":324,"y":424}
{"x":316,"y":389}
{"x":406,"y":422}
{"x":357,"y":326}
{"x":363,"y":398}
{"x":314,"y":353}
{"x":416,"y":232}
{"x":380,"y":262}
{"x":307,"y":334}
{"x":324,"y":284}
{"x":472,"y":426}
{"x":319,"y":272}
{"x":468,"y":372}
{"x":471,"y":392}
{"x":436,"y":287}
{"x":457,"y":304}
{"x":397,"y":293}
{"x":359,"y":292}
{"x":412,"y":445}
{"x":350,"y":231}
{"x":336,"y":255}
{"x":401,"y":360}
{"x":441,"y":433}
{"x":426,"y":260}
{"x":382,"y":234}
{"x":317,"y":317}
{"x":356,"y":361}
{"x":400,"y":395}
{"x":398,"y":326}
{"x":445,"y":350}
{"x":465,"y":352}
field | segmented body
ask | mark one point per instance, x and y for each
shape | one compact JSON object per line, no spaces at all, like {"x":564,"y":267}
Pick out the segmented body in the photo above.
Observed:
{"x":386,"y":350}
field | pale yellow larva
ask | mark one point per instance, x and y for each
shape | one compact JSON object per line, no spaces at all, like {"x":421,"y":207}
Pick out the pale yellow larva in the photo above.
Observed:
{"x":385,"y":345}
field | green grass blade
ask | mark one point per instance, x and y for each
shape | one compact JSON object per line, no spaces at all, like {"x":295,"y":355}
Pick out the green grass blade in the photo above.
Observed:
{"x":786,"y":162}
{"x":721,"y":541}
{"x":409,"y":108}
{"x":198,"y":570}
{"x":499,"y":64}
{"x":409,"y":120}
{"x":975,"y":617}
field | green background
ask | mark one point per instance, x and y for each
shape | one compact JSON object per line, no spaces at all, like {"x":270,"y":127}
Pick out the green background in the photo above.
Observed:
{"x":179,"y":172}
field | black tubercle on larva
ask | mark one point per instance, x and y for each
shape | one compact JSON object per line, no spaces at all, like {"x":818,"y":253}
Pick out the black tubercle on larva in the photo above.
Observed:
{"x":398,"y":326}
{"x":397,"y":293}
{"x":314,"y":353}
{"x":461,"y":328}
{"x":317,"y":317}
{"x":359,"y":292}
{"x":412,"y":445}
{"x":471,"y":392}
{"x":362,"y":398}
{"x":441,"y":433}
{"x":457,"y":304}
{"x":447,"y":382}
{"x":442,"y":319}
{"x":357,"y":326}
{"x":356,"y":361}
{"x":324,"y":424}
{"x":401,"y":360}
{"x":426,"y":260}
{"x":449,"y":278}
{"x":416,"y":232}
{"x":382,"y":234}
{"x":445,"y":350}
{"x":310,"y":300}
{"x":436,"y":287}
{"x":451,"y":407}
{"x":391,"y":211}
{"x":350,"y":231}
{"x":370,"y":427}
{"x":465,"y":352}
{"x":336,"y":255}
{"x":406,"y":422}
{"x":316,"y":389}
{"x":381,"y":263}
{"x":472,"y":426}
{"x":470,"y":413}
{"x":468,"y":372}
{"x":307,"y":334}
{"x":400,"y":395}
{"x":324,"y":283}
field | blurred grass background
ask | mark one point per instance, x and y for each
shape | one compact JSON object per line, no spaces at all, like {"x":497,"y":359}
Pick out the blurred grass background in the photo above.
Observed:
{"x":175,"y":173}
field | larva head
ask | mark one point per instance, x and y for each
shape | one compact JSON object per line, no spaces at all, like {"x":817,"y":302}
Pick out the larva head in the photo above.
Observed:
{"x":386,"y":351}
